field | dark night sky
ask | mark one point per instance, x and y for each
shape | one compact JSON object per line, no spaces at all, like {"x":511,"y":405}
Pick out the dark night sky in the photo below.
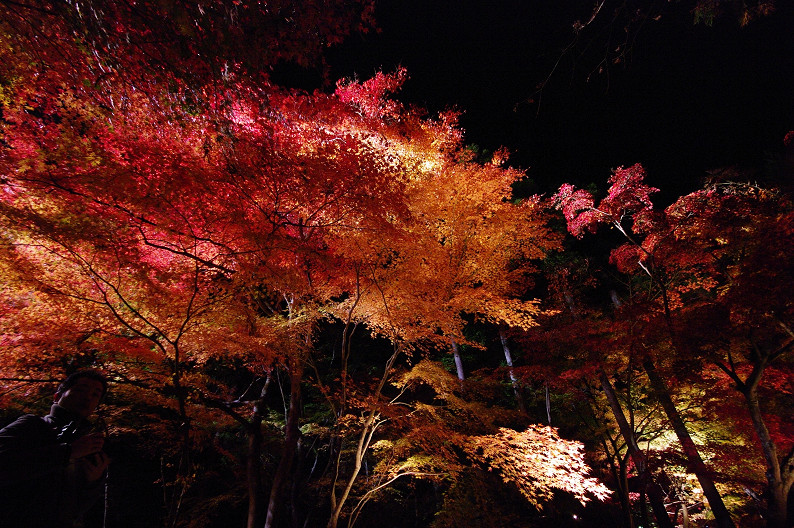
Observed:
{"x":691,"y":98}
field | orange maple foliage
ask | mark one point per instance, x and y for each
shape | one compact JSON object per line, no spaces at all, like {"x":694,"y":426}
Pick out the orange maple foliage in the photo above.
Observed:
{"x":156,"y":220}
{"x":538,"y":461}
{"x":446,"y":433}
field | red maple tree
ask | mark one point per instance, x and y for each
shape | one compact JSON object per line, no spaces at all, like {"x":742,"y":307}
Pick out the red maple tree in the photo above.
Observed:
{"x":706,"y":259}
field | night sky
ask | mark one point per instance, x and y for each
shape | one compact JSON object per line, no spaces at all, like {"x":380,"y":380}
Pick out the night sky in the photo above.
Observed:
{"x":691,"y":98}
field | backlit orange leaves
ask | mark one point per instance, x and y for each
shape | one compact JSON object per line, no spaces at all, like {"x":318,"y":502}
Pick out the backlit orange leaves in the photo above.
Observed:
{"x":538,"y":462}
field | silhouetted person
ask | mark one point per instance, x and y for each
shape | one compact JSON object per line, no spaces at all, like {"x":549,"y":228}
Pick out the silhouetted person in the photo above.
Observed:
{"x":52,"y":469}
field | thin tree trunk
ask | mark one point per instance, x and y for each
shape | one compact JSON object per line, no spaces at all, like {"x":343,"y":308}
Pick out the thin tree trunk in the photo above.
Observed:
{"x":458,"y":360}
{"x":684,"y":514}
{"x":695,"y":462}
{"x":365,"y":438}
{"x":253,"y":473}
{"x":256,"y":499}
{"x":653,"y":491}
{"x":185,"y":462}
{"x":625,"y":498}
{"x":618,"y":463}
{"x":619,"y":466}
{"x":290,"y":442}
{"x":780,"y":473}
{"x":522,"y":405}
{"x":361,"y":449}
{"x":645,"y":519}
{"x":548,"y":402}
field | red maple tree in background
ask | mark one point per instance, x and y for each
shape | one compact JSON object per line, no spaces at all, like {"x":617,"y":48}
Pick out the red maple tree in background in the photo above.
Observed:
{"x":716,"y":288}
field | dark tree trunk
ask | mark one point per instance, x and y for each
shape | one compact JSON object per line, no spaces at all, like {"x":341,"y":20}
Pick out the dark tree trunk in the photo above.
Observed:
{"x":779,"y":473}
{"x":290,"y":443}
{"x":652,"y":489}
{"x":256,"y":498}
{"x":625,"y":501}
{"x":254,"y":475}
{"x":696,"y":464}
{"x":619,"y":466}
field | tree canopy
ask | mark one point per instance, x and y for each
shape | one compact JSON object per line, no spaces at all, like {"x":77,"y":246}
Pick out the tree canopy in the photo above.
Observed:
{"x":281,"y":277}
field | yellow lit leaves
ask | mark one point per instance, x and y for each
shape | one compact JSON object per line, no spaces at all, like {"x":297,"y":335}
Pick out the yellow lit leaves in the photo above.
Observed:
{"x":538,"y":462}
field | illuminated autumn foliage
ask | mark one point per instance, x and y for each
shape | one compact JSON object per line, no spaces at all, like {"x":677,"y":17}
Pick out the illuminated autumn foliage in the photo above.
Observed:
{"x":704,"y":262}
{"x":538,"y":462}
{"x":273,"y":280}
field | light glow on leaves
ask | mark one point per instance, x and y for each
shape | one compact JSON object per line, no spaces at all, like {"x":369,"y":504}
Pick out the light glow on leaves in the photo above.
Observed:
{"x":538,"y":462}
